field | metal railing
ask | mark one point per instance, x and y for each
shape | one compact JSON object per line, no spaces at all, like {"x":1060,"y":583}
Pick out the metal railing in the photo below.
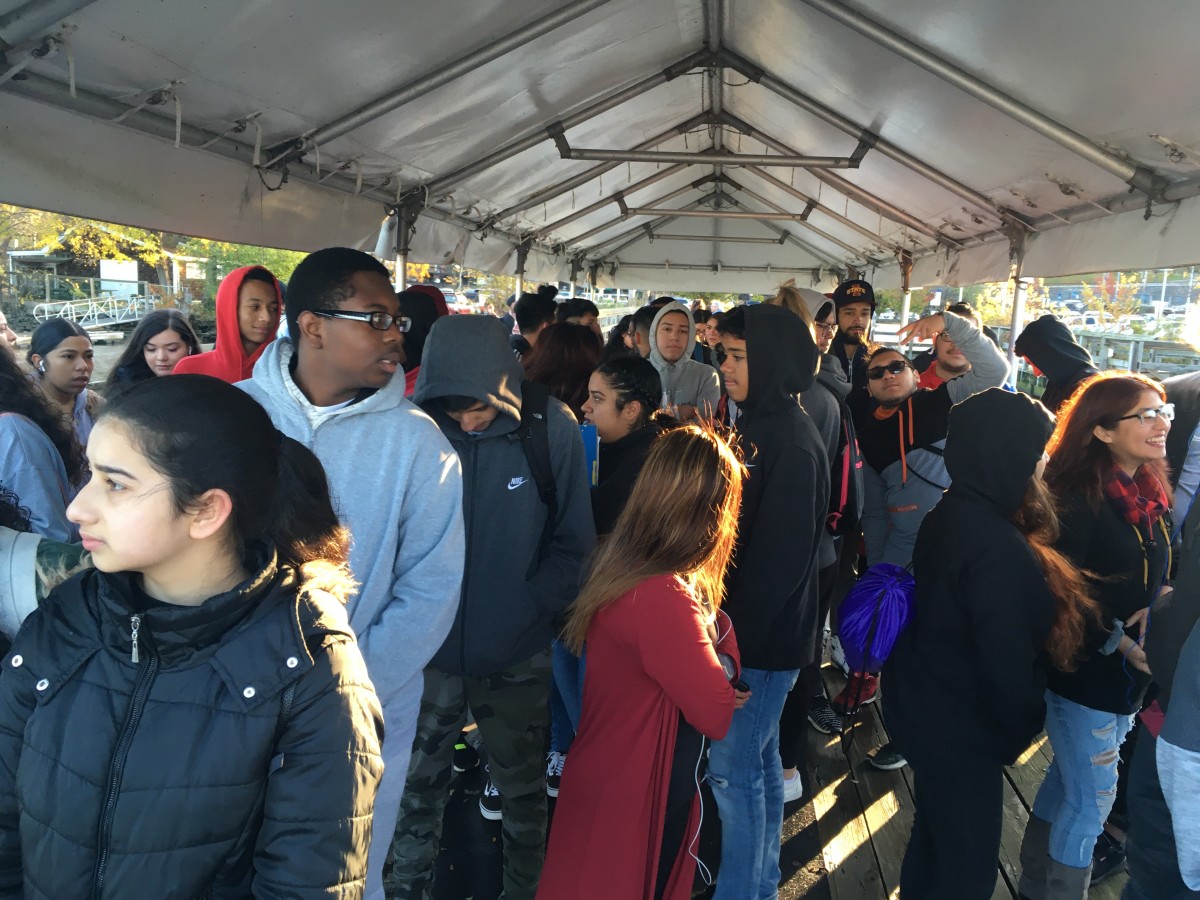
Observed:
{"x":96,"y":311}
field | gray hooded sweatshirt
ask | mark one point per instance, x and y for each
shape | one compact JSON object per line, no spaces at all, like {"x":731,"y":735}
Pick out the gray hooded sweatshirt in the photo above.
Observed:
{"x":397,"y":486}
{"x":512,"y":602}
{"x":686,"y":381}
{"x":823,"y":403}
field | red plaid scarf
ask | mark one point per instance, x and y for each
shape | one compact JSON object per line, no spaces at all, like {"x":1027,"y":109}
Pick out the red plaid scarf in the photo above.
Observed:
{"x":1139,"y":500}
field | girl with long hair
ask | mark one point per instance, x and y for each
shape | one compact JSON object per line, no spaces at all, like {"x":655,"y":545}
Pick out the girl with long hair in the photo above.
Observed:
{"x":996,"y":606}
{"x":563,"y":359}
{"x":620,"y":340}
{"x":62,"y":358}
{"x":41,"y":461}
{"x":192,"y":717}
{"x":1108,"y":471}
{"x":155,"y":347}
{"x":656,"y":685}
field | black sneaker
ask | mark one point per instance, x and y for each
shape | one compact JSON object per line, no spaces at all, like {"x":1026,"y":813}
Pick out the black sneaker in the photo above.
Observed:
{"x":822,"y":717}
{"x":1108,"y":857}
{"x":554,"y":769}
{"x":887,"y":758}
{"x":489,"y":801}
{"x":465,"y":756}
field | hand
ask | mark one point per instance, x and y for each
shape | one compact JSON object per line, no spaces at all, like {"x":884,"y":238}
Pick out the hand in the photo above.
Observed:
{"x":740,"y":698}
{"x":1136,"y":657}
{"x":926,"y":329}
{"x":1137,"y":620}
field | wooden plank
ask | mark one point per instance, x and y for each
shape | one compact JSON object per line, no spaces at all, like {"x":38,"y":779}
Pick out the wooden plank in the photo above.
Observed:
{"x":1030,"y":770}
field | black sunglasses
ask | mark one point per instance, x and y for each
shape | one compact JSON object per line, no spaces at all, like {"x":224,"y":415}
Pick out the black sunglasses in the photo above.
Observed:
{"x":380,"y":321}
{"x":895,"y":367}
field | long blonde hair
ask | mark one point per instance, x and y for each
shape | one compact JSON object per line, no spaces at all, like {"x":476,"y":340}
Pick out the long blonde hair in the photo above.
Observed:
{"x":790,"y":298}
{"x":681,"y":519}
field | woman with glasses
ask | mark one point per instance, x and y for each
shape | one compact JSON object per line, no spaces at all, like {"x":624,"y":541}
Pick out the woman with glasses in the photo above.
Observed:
{"x":1107,"y":468}
{"x":249,"y":302}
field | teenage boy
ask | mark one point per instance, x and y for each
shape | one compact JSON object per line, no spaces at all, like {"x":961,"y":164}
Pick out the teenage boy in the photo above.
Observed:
{"x":690,"y":388}
{"x":249,"y":301}
{"x":768,"y":356}
{"x":395,"y":481}
{"x":522,"y":570}
{"x":533,"y":313}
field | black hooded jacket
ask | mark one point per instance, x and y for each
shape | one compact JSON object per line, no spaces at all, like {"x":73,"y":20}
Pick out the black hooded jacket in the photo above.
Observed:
{"x":771,"y":586}
{"x":177,"y":775}
{"x":1050,"y":345}
{"x":973,"y":650}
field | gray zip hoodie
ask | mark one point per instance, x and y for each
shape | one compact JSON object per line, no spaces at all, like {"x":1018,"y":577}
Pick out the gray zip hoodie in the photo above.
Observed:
{"x":397,"y":486}
{"x":686,"y":381}
{"x":512,"y":603}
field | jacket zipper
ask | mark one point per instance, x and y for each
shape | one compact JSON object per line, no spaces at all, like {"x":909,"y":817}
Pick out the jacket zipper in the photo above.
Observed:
{"x":462,"y":620}
{"x":137,"y":704}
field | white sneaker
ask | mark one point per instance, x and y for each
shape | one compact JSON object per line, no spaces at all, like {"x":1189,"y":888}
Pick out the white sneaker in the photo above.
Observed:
{"x":554,"y":769}
{"x":490,"y":806}
{"x":793,"y":788}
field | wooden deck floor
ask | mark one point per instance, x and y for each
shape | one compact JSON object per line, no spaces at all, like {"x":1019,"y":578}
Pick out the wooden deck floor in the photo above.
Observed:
{"x":864,"y":827}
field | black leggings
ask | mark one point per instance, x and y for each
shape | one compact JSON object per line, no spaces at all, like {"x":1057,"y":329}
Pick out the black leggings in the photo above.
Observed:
{"x":681,"y":791}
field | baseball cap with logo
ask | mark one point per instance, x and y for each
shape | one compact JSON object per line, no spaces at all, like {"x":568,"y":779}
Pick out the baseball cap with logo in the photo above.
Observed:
{"x":855,"y":291}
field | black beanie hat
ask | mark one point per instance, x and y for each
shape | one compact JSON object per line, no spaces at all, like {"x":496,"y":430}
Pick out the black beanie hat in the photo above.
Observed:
{"x":856,"y":291}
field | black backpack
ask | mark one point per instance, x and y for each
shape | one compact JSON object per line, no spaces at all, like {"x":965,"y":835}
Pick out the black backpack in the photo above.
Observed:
{"x":845,"y":480}
{"x":534,"y":435}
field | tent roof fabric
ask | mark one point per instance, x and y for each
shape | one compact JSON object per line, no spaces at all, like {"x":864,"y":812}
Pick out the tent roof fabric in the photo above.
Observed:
{"x":971,"y":128}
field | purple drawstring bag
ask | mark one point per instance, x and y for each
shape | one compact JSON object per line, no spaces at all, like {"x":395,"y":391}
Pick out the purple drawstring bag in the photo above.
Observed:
{"x":873,"y":614}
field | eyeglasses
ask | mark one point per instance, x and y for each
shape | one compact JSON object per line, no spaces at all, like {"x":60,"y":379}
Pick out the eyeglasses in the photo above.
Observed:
{"x":721,"y":354}
{"x":1166,"y":412}
{"x":380,"y":321}
{"x":895,"y":367}
{"x":825,"y":327}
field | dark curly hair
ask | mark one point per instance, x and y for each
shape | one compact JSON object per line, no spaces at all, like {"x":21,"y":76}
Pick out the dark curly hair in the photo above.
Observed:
{"x":12,"y":514}
{"x":21,"y":396}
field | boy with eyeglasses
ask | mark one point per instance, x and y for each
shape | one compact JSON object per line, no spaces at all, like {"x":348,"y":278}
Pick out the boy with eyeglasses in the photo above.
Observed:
{"x":902,"y":439}
{"x":395,"y":480}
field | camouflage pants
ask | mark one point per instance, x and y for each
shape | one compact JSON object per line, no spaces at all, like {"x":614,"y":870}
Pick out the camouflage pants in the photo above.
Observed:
{"x":511,"y":710}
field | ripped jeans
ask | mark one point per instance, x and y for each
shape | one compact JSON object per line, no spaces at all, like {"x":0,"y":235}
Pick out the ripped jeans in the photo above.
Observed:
{"x":1081,"y":783}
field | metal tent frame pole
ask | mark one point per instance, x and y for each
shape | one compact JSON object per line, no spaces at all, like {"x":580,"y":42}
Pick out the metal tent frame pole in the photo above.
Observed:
{"x":32,"y":19}
{"x":718,"y":214}
{"x":600,"y":204}
{"x":791,"y":238}
{"x":1139,"y":177}
{"x":665,"y":198}
{"x":854,"y":252}
{"x":905,"y":259}
{"x":706,"y":157}
{"x":392,"y":100}
{"x":1018,"y":243}
{"x":727,"y":239}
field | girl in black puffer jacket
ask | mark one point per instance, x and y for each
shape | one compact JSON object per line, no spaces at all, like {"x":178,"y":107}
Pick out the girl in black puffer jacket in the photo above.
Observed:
{"x":192,"y":718}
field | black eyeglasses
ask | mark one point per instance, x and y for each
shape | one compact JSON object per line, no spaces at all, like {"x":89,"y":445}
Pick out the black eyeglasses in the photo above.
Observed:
{"x":825,"y":327}
{"x":1166,"y":412}
{"x":721,"y":354}
{"x":380,"y":321}
{"x":895,"y":367}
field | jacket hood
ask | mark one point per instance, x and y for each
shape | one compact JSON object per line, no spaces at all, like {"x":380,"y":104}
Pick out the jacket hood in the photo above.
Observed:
{"x":993,"y":443}
{"x":1049,"y":344}
{"x":423,"y":308}
{"x":782,"y":357}
{"x":469,"y":356}
{"x":832,"y":376}
{"x":655,"y":356}
{"x":228,"y":360}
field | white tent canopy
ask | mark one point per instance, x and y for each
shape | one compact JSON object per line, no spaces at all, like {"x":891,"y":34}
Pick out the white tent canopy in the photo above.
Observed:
{"x":842,"y":136}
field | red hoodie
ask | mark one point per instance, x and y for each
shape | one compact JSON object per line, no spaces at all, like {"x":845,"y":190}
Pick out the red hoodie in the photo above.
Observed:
{"x":228,"y":360}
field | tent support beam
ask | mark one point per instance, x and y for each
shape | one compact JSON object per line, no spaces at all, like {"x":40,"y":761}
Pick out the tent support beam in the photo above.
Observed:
{"x":645,"y":230}
{"x":1139,"y":177}
{"x":685,"y":267}
{"x":791,"y":238}
{"x":522,"y":255}
{"x":32,"y":18}
{"x":755,"y":73}
{"x":854,"y":252}
{"x":703,"y":157}
{"x":600,"y":204}
{"x":440,"y":186}
{"x":720,"y":240}
{"x":381,"y":106}
{"x":549,"y":193}
{"x":1018,"y":244}
{"x":406,"y":224}
{"x":905,"y":259}
{"x":853,"y":191}
{"x":718,"y":214}
{"x":665,"y":198}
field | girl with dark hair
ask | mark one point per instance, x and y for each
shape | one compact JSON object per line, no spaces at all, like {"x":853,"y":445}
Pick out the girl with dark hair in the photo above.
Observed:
{"x":61,"y":355}
{"x":657,"y":684}
{"x":996,"y":606}
{"x":40,"y":459}
{"x":620,"y":340}
{"x":563,"y":359}
{"x":159,"y":342}
{"x":205,"y":665}
{"x":1108,"y":470}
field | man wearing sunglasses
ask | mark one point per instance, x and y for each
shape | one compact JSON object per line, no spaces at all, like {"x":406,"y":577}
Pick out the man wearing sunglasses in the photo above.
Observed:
{"x":902,"y":439}
{"x":395,"y":481}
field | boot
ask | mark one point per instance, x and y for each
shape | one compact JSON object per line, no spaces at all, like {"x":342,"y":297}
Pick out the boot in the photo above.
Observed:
{"x":1035,"y":856}
{"x":1067,"y":882}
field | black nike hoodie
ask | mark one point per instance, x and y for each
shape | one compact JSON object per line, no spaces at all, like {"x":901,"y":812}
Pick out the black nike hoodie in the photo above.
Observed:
{"x":771,"y":588}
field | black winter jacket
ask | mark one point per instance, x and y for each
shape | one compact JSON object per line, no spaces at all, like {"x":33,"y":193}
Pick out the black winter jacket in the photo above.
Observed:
{"x":973,"y":650}
{"x":620,"y":464}
{"x":165,"y":778}
{"x":771,"y":587}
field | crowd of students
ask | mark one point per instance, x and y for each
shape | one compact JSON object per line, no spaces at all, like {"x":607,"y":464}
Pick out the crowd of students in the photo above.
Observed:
{"x":253,"y":605}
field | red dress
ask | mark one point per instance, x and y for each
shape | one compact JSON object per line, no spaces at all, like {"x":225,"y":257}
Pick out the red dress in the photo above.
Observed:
{"x":649,"y":659}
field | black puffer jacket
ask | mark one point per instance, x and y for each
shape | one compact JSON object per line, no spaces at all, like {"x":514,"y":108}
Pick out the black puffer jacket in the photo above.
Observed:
{"x":164,"y":777}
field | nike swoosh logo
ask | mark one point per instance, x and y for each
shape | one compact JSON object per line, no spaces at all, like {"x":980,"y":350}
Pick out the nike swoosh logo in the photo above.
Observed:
{"x":515,"y":483}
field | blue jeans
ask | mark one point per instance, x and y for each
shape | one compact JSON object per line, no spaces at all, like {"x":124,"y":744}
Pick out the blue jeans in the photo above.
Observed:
{"x":746,"y":777}
{"x":566,"y":697}
{"x":1081,"y":783}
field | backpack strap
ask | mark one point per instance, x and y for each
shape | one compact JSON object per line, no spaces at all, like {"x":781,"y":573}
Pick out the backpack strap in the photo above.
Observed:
{"x":535,"y":441}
